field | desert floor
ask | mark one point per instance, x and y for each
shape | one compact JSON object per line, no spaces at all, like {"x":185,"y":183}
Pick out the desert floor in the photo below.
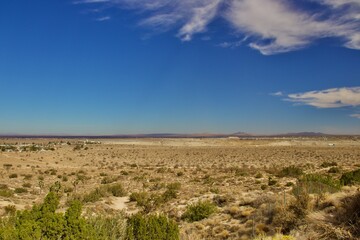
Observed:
{"x":241,"y":176}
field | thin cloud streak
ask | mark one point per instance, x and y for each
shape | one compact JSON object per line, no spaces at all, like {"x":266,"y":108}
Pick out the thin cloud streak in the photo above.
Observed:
{"x":102,"y":19}
{"x":269,"y":26}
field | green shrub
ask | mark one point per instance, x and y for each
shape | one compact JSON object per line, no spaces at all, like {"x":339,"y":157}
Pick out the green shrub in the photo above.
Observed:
{"x":42,"y":222}
{"x":291,"y":171}
{"x":349,"y":214}
{"x":20,"y":190}
{"x":350,"y":178}
{"x":94,"y":195}
{"x":199,"y":211}
{"x":334,"y":170}
{"x":271,"y":182}
{"x":316,"y":183}
{"x":328,"y":164}
{"x":139,"y":197}
{"x":5,"y":191}
{"x":142,"y":227}
{"x":108,"y":227}
{"x":10,"y":209}
{"x":109,"y":179}
{"x":13,"y":175}
{"x":116,"y":190}
{"x":27,"y":185}
{"x":288,"y":217}
{"x":171,"y":191}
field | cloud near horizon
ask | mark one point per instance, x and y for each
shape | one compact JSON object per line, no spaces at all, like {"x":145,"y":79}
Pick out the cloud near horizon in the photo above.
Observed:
{"x":269,"y":26}
{"x":329,"y":98}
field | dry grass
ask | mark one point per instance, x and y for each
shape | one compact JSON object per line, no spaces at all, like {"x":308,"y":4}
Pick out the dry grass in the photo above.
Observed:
{"x":250,"y":181}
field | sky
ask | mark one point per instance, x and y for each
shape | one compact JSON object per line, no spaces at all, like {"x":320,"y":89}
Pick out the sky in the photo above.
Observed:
{"x":101,"y":67}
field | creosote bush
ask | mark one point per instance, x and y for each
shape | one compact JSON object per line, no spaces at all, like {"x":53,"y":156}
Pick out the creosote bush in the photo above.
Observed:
{"x":317,"y":183}
{"x":199,"y":211}
{"x":290,"y":216}
{"x":13,"y":175}
{"x":350,"y":178}
{"x":149,"y":227}
{"x":349,"y":214}
{"x":291,"y":171}
{"x":115,"y":190}
{"x":150,"y":202}
{"x":328,"y":164}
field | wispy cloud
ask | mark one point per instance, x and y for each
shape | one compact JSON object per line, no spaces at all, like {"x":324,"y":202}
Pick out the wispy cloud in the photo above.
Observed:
{"x":277,"y":94}
{"x":270,"y":26}
{"x":330,"y":98}
{"x":102,"y":19}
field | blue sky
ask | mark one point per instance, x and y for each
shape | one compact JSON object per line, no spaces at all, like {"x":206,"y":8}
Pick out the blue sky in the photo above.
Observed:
{"x":191,"y":66}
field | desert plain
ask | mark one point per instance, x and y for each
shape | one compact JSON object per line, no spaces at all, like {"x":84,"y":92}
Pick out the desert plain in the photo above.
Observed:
{"x":255,"y":185}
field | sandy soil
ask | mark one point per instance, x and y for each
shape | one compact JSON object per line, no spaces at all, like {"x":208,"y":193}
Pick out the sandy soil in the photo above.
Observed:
{"x":204,"y":167}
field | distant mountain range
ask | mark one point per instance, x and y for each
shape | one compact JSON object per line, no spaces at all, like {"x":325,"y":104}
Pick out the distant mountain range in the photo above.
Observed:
{"x":176,"y":135}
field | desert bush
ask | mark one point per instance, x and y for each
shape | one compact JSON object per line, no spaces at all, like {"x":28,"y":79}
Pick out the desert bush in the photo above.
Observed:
{"x":26,"y":185}
{"x":271,"y":181}
{"x":334,"y":170}
{"x":77,"y":147}
{"x":199,"y":211}
{"x":125,"y":173}
{"x":65,"y":178}
{"x":117,"y":190}
{"x":171,"y":191}
{"x":109,"y":179}
{"x":108,"y":227}
{"x":288,"y":217}
{"x":147,"y":227}
{"x":13,"y":175}
{"x":291,"y":171}
{"x":349,"y":214}
{"x":350,"y":178}
{"x":328,"y":164}
{"x":221,"y":201}
{"x":20,"y":190}
{"x":7,"y":166}
{"x":10,"y":209}
{"x":94,"y":195}
{"x":43,"y":222}
{"x":6,"y":193}
{"x":27,"y":176}
{"x":139,"y":197}
{"x":316,"y":183}
{"x":148,"y":202}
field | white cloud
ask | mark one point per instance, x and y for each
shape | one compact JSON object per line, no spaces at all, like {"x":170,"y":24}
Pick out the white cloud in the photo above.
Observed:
{"x":330,"y":98}
{"x":277,"y":93}
{"x":201,"y":16}
{"x":279,"y":27}
{"x":101,"y":19}
{"x":272,"y":26}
